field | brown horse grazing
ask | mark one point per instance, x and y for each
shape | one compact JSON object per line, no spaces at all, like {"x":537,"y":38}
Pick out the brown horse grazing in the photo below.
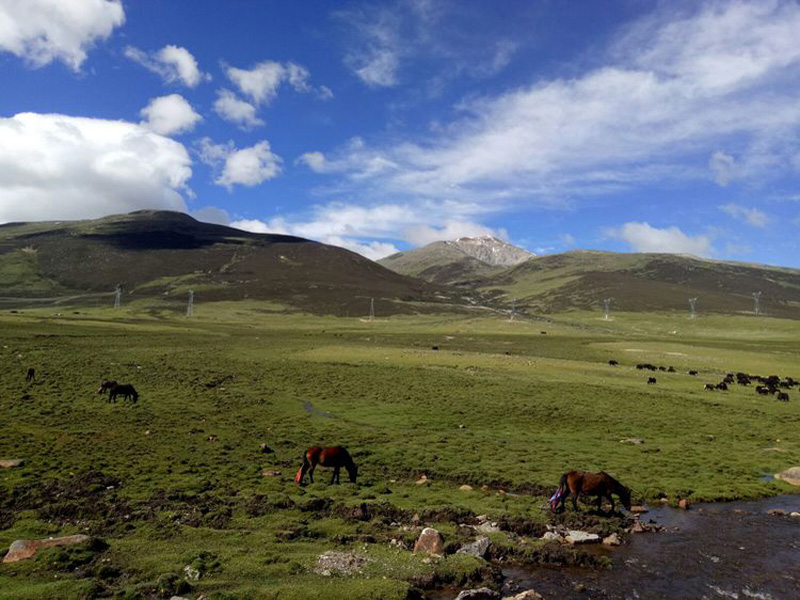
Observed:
{"x":335,"y":456}
{"x":599,"y":484}
{"x":31,"y":374}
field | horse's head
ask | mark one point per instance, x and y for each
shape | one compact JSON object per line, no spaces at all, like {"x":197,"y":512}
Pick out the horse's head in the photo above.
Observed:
{"x":625,"y":497}
{"x":352,"y":470}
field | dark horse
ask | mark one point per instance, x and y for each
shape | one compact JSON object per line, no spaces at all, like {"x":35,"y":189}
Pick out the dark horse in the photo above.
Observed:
{"x":600,"y":484}
{"x":114,"y":389}
{"x":31,"y":375}
{"x":335,"y":456}
{"x":107,"y":386}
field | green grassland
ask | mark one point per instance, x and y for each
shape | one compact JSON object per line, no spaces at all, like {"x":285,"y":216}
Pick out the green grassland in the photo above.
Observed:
{"x":177,"y":480}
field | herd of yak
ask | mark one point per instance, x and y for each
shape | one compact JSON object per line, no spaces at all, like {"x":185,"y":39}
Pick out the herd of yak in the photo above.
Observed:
{"x":773,"y":385}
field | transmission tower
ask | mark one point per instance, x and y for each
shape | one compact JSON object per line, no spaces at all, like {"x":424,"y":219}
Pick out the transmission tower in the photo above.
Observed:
{"x":513,"y":312}
{"x":692,"y":308}
{"x":607,"y":308}
{"x":117,"y":297}
{"x":757,"y":303}
{"x":371,"y":309}
{"x":190,"y":306}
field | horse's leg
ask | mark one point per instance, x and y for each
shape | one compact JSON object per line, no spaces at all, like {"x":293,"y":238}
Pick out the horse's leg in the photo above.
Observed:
{"x":599,"y":502}
{"x":335,"y":477}
{"x":311,"y":473}
{"x":575,"y":501}
{"x":611,"y":498}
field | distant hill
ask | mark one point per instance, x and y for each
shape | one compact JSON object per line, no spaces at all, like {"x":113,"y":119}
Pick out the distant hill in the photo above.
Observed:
{"x":643,"y":282}
{"x":164,"y":254}
{"x":457,"y":262}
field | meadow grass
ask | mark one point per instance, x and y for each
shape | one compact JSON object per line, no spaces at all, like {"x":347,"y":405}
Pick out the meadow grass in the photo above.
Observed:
{"x":177,"y":479}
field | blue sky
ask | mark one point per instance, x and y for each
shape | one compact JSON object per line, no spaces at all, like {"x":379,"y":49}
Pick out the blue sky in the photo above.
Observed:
{"x":627,"y":126}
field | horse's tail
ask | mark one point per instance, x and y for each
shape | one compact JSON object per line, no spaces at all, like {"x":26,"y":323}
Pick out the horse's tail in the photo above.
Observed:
{"x":298,"y":478}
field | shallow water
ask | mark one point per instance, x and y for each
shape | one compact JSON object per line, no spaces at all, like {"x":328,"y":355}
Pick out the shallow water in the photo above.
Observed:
{"x":732,"y":550}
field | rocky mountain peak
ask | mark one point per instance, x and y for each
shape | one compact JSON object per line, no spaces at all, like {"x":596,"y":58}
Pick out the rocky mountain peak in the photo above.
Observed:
{"x":492,"y":251}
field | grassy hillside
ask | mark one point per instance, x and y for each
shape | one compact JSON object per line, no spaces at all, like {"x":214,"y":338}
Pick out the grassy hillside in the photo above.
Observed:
{"x":176,"y":480}
{"x":163,"y":255}
{"x":645,"y":282}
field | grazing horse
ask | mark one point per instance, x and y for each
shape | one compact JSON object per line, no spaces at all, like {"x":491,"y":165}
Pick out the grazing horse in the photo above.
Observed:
{"x":599,"y":484}
{"x":31,"y":375}
{"x":651,"y":380}
{"x":127,"y":391}
{"x":335,"y":456}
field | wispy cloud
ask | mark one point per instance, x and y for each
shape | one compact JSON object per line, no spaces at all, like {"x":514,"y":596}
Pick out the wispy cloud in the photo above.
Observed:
{"x":674,"y":89}
{"x":751,"y":216}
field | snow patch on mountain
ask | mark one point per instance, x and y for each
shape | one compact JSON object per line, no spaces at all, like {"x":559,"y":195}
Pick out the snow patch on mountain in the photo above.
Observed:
{"x":492,"y":251}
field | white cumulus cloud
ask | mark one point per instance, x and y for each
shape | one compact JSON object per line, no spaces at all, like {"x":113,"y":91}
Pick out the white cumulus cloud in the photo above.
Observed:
{"x":247,"y":166}
{"x":172,"y":63}
{"x":371,"y":231}
{"x":236,"y":111}
{"x":262,"y":81}
{"x":62,"y":167}
{"x":642,"y":237}
{"x":41,"y":31}
{"x":169,"y":115}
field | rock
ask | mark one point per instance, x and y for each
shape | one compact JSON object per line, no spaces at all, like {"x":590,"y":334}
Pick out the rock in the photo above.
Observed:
{"x":22,"y":549}
{"x":339,"y":563}
{"x":552,"y":536}
{"x":422,"y":480}
{"x":684,"y":503}
{"x":11,"y":464}
{"x":178,"y":598}
{"x":795,"y":515}
{"x":791,"y":476}
{"x":488,"y":527}
{"x":270,"y":473}
{"x":776,"y":512}
{"x":612,"y":540}
{"x":266,"y":449}
{"x":466,"y":488}
{"x":483,"y":593}
{"x":526,"y":595}
{"x":479,"y":548}
{"x":581,"y":537}
{"x":638,"y":509}
{"x":430,"y":542}
{"x":191,"y":573}
{"x":632,"y":441}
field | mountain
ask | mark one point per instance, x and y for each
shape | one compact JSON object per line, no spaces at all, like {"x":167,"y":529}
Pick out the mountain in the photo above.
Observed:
{"x":164,"y":254}
{"x":643,"y":282}
{"x":457,"y":262}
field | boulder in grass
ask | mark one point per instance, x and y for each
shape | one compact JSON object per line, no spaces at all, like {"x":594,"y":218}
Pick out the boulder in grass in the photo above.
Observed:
{"x":479,"y":548}
{"x":11,"y":464}
{"x":791,"y":476}
{"x":429,"y":542}
{"x":23,"y":549}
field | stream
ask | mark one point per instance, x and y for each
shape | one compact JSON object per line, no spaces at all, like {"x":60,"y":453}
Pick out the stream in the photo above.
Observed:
{"x":730,"y":550}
